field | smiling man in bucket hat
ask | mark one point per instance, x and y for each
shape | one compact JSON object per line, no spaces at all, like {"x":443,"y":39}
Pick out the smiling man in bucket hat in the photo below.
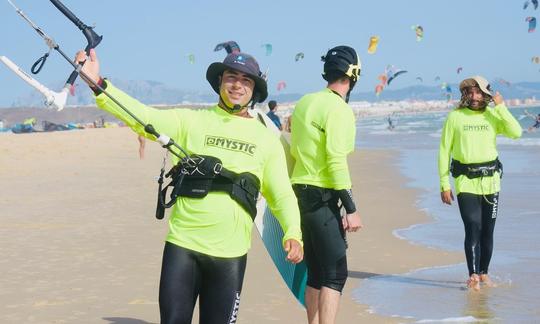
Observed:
{"x":206,"y":247}
{"x":468,"y":152}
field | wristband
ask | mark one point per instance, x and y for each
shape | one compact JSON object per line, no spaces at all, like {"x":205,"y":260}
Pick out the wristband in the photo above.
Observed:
{"x":101,"y":82}
{"x":345,"y":195}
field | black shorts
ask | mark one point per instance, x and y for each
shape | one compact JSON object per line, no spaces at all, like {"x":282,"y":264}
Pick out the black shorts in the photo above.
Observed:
{"x":323,"y":236}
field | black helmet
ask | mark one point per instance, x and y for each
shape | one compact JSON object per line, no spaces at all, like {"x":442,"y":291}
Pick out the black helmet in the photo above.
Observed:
{"x":244,"y":63}
{"x":341,"y":61}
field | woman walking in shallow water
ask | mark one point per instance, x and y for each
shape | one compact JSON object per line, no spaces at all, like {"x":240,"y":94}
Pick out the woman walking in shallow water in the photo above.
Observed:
{"x":468,"y":151}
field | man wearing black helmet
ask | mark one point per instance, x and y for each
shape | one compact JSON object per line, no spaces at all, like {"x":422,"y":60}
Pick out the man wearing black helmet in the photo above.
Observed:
{"x":323,"y":134}
{"x":468,"y":151}
{"x":206,"y":247}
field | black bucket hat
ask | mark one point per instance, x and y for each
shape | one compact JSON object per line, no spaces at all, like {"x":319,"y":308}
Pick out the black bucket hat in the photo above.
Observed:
{"x":241,"y":62}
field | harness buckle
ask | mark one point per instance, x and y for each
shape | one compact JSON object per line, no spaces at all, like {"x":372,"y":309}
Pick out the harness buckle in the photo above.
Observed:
{"x":217,"y":168}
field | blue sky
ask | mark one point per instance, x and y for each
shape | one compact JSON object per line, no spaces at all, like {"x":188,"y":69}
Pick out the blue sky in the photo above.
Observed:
{"x":150,"y":40}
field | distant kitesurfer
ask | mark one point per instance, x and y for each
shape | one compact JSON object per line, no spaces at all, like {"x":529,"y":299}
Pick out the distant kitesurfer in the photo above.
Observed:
{"x":534,"y":127}
{"x":391,"y":122}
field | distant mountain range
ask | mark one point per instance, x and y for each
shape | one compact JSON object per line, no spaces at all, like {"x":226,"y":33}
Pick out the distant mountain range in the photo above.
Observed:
{"x":152,"y":92}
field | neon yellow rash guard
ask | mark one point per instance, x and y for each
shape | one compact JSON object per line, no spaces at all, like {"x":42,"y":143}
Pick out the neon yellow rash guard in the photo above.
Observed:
{"x":323,"y":133}
{"x":216,"y":225}
{"x":469,"y":136}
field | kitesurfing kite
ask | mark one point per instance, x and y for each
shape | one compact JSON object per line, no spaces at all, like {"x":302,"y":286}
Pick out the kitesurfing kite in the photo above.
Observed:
{"x":299,"y":56}
{"x":398,"y":72}
{"x":459,"y":69}
{"x":420,"y":79}
{"x":534,"y":2}
{"x":383,"y":78}
{"x":230,"y":47}
{"x":392,"y":73}
{"x":448,"y":89}
{"x":378,"y":89}
{"x":437,"y":78}
{"x":532,"y":23}
{"x":419,"y":30}
{"x":373,"y":43}
{"x":267,"y":48}
{"x":281,"y":85}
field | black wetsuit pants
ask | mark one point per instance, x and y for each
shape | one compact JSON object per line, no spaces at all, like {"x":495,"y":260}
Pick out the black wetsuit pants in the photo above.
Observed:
{"x":479,"y":214}
{"x":323,"y":236}
{"x":186,"y":275}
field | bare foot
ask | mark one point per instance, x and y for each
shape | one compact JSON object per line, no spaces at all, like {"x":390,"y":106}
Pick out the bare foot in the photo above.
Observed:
{"x":474,"y":282}
{"x":486,"y":280}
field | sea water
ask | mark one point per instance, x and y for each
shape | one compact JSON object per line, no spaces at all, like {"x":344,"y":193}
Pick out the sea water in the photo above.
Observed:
{"x":439,"y":294}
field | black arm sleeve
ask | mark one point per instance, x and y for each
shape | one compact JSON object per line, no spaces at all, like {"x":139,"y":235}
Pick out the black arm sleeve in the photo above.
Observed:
{"x":345,"y":195}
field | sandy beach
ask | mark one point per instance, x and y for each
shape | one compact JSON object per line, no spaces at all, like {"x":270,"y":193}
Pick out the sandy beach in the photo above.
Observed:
{"x":80,"y":244}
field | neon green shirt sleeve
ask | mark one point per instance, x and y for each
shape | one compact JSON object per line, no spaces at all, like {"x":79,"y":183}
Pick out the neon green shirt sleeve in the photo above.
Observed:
{"x":277,"y":190}
{"x":507,"y":125}
{"x":340,"y":137}
{"x":164,"y":121}
{"x":445,"y":149}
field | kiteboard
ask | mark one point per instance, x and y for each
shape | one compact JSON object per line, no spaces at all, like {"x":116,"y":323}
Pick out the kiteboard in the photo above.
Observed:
{"x":294,"y":275}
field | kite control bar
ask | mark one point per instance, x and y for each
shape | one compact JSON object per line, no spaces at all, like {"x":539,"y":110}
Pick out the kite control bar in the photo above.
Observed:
{"x":92,"y":38}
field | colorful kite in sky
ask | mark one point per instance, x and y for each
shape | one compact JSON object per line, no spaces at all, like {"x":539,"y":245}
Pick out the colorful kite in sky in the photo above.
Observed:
{"x":392,"y":73}
{"x":532,"y":23}
{"x":534,"y":2}
{"x":267,"y":48}
{"x":373,"y":43}
{"x":230,"y":47}
{"x":419,"y":30}
{"x":378,"y":89}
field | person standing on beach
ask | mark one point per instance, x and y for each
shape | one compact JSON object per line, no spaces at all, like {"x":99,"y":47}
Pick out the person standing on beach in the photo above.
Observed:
{"x":272,"y":105}
{"x":468,"y":151}
{"x":206,"y":248}
{"x":323,"y":134}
